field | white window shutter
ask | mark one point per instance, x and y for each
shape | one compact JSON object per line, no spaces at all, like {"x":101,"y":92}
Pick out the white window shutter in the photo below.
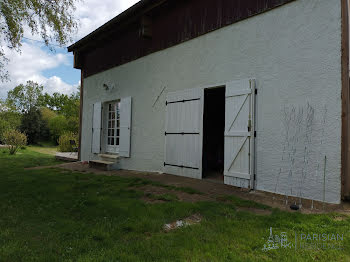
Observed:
{"x":125,"y":127}
{"x":96,"y":128}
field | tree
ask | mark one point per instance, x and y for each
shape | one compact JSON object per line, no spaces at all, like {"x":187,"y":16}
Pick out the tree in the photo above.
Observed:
{"x":25,"y":97}
{"x":32,"y":125}
{"x":55,"y":101}
{"x":58,"y":126}
{"x":46,"y":115}
{"x":53,"y":20}
{"x":64,"y":105}
{"x":9,"y":119}
{"x":71,"y":106}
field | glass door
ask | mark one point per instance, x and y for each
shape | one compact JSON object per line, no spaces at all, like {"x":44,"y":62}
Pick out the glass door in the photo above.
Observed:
{"x":113,"y":127}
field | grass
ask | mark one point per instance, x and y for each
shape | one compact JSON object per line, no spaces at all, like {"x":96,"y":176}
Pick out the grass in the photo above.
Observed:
{"x":142,"y":182}
{"x":242,"y":202}
{"x":163,"y":197}
{"x":44,"y":147}
{"x":56,"y":215}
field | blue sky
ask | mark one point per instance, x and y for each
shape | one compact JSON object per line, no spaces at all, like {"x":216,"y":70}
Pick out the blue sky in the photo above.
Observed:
{"x":54,"y":70}
{"x":65,"y":71}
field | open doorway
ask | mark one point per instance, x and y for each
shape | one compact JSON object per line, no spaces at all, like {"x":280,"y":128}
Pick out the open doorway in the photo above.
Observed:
{"x":213,"y":135}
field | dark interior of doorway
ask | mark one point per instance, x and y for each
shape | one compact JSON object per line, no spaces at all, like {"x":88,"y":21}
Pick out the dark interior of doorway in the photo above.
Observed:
{"x":213,"y":135}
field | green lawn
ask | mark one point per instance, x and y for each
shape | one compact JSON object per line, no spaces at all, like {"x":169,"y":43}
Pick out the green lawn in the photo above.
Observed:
{"x":44,"y":148}
{"x":56,"y":215}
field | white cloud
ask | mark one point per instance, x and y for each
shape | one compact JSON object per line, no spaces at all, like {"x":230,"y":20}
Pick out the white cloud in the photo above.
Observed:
{"x":29,"y":65}
{"x":55,"y":84}
{"x":94,"y":13}
{"x":32,"y":61}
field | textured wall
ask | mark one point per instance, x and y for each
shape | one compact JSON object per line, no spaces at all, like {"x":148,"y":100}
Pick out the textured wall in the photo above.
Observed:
{"x":173,"y":22}
{"x":294,"y":54}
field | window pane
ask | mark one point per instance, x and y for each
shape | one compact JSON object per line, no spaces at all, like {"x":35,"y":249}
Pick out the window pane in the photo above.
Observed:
{"x":109,"y":132}
{"x":112,"y":141}
{"x":118,"y":132}
{"x":109,"y":141}
{"x":110,"y":107}
{"x":112,"y":133}
{"x":118,"y":123}
{"x":113,"y":115}
{"x":117,"y":142}
{"x":113,"y":124}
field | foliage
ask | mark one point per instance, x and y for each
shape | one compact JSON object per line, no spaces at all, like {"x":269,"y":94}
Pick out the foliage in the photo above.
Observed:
{"x":55,"y":101}
{"x":64,"y":142}
{"x":62,"y":103}
{"x":71,"y":106}
{"x":9,"y":120}
{"x":42,"y":117}
{"x":46,"y":115}
{"x":15,"y":140}
{"x":58,"y":126}
{"x":25,"y":97}
{"x":53,"y":20}
{"x":73,"y":124}
{"x":32,"y":125}
{"x":67,"y":107}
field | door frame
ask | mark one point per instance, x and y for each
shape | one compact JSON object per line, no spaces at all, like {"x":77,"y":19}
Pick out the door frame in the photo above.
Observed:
{"x":203,"y":110}
{"x":105,"y":147}
{"x":253,"y":158}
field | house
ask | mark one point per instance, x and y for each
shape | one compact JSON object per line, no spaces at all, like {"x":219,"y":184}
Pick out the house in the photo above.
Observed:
{"x":254,"y":93}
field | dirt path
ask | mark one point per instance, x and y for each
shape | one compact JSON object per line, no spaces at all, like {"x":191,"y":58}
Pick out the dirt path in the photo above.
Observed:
{"x":214,"y":190}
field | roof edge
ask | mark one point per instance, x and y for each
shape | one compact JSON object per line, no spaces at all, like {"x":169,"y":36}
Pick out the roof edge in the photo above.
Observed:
{"x":139,"y":7}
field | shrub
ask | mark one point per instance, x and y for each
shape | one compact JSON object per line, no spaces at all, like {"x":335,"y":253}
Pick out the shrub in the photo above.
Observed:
{"x":14,"y":139}
{"x":73,"y":124}
{"x":58,"y":126}
{"x":64,"y":142}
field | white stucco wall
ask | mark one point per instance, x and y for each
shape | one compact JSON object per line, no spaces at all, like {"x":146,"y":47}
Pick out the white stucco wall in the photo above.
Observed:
{"x":294,"y":54}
